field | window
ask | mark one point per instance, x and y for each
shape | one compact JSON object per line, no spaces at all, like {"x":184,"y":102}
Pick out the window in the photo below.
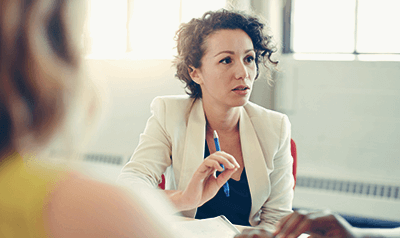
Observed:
{"x":106,"y":28}
{"x":139,"y":29}
{"x":343,"y":26}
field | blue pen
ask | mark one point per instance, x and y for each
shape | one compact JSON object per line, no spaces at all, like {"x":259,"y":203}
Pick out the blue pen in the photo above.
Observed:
{"x":217,"y":148}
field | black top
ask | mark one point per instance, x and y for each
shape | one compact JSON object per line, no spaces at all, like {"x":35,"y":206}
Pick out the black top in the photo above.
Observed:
{"x":236,"y":207}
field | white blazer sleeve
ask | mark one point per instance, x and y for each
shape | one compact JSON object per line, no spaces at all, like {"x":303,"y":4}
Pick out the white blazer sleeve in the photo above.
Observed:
{"x":153,"y":154}
{"x":279,"y":203}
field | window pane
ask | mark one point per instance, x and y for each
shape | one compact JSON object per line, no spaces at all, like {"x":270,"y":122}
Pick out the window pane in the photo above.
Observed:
{"x":191,"y":9}
{"x":107,"y":27}
{"x":378,"y":26}
{"x":323,"y":26}
{"x":152,"y":28}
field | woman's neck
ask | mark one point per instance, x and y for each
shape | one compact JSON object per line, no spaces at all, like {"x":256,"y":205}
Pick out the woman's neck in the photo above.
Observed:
{"x":221,"y":119}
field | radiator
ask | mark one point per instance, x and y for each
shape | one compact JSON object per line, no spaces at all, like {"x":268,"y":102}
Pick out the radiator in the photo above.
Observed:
{"x":102,"y":166}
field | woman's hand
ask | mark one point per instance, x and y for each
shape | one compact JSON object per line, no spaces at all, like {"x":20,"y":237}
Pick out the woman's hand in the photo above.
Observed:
{"x":204,"y":184}
{"x":319,"y":224}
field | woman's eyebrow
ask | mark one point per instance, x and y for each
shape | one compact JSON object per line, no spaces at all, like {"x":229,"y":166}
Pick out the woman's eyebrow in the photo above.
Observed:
{"x":225,"y":51}
{"x":231,"y":52}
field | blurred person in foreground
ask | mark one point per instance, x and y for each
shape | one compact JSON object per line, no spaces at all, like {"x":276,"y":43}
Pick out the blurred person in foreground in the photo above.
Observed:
{"x":323,"y":224}
{"x":41,"y":101}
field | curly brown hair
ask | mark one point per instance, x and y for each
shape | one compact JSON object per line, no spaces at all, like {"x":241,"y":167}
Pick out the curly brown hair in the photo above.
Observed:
{"x":191,"y":39}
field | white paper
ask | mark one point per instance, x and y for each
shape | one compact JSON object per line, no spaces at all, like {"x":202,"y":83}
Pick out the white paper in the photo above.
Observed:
{"x":218,"y":227}
{"x":304,"y":235}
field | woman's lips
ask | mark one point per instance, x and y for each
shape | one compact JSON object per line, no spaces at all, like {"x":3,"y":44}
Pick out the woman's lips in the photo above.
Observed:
{"x":241,"y":90}
{"x":241,"y":87}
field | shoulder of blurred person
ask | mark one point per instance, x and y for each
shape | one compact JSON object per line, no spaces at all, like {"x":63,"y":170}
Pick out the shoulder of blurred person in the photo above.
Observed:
{"x":54,"y":202}
{"x":83,"y":207}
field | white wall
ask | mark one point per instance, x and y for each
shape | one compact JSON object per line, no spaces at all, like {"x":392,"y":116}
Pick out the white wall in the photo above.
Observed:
{"x":345,"y":116}
{"x":130,"y":86}
{"x":345,"y":119}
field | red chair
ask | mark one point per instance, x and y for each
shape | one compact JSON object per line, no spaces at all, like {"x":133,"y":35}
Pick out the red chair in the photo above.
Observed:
{"x":294,"y":155}
{"x":162,"y":184}
{"x":293,"y":150}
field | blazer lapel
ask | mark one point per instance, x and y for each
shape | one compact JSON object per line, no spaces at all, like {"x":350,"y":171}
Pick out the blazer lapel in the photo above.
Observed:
{"x":254,"y":163}
{"x":193,"y":154}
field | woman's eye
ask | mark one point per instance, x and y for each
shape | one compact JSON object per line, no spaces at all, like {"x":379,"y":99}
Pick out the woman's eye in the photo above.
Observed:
{"x":227,"y":60}
{"x":249,"y":59}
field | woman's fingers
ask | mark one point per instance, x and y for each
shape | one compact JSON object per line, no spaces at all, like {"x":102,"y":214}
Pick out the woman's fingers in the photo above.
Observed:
{"x":225,"y":176}
{"x":204,"y":185}
{"x":225,"y":159}
{"x":217,"y":163}
{"x":291,"y":224}
{"x":217,"y":159}
{"x":302,"y":227}
{"x":297,"y":222}
{"x":229,"y":157}
{"x":315,"y":223}
{"x":281,"y":223}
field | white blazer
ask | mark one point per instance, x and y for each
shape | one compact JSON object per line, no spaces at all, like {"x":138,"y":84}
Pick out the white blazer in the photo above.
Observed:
{"x":173,"y":143}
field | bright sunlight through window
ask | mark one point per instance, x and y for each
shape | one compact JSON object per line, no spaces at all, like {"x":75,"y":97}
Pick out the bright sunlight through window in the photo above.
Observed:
{"x":107,"y":28}
{"x":378,"y":26}
{"x":346,"y":26}
{"x":323,"y":26}
{"x":139,"y":29}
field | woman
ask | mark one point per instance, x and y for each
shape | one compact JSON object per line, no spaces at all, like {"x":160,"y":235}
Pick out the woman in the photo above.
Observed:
{"x":40,"y":82}
{"x":219,"y":56}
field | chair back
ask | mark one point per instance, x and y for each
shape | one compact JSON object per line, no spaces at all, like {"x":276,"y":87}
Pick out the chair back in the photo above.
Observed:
{"x":293,"y":150}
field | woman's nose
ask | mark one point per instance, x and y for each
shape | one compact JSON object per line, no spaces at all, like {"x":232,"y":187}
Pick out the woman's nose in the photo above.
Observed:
{"x":241,"y":71}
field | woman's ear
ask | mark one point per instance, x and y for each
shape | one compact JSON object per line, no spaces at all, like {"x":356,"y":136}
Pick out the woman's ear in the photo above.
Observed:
{"x":195,"y":74}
